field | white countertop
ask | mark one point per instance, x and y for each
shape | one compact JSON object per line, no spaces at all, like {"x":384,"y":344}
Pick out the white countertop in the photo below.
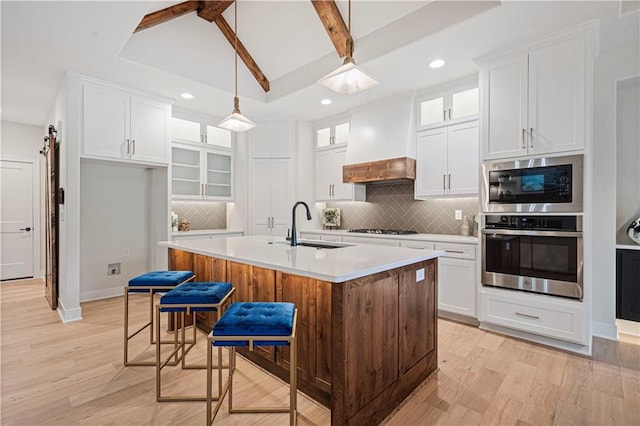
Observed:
{"x":333,"y":265}
{"x":206,"y":232}
{"x":443,"y":238}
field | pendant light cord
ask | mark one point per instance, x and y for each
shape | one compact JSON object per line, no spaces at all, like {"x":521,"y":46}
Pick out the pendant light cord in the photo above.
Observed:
{"x":235,"y":30}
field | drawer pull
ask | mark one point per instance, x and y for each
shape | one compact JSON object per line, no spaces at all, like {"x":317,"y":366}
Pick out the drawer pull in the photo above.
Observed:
{"x":527,"y":316}
{"x":454,"y":251}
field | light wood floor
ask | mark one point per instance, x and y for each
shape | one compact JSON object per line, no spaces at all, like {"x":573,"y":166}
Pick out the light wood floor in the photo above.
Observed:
{"x":63,"y":374}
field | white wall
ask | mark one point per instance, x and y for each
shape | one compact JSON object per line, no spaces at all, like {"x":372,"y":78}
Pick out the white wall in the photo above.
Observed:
{"x":628,"y":156}
{"x":618,"y":59}
{"x":114,"y":217}
{"x":22,"y":142}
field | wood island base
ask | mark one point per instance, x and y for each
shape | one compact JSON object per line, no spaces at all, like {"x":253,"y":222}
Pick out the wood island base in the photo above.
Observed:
{"x":363,"y":345}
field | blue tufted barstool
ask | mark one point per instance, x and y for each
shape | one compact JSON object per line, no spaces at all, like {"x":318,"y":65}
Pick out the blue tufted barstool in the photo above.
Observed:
{"x":187,"y":299}
{"x":253,"y":324}
{"x":149,"y":283}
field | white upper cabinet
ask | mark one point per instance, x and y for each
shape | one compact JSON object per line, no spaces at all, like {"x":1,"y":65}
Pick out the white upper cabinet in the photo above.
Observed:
{"x":534,"y":102}
{"x":194,"y":128}
{"x":334,"y":132}
{"x":452,"y":103}
{"x":447,"y":161}
{"x":329,"y":185}
{"x":273,"y":139}
{"x":122,"y":125}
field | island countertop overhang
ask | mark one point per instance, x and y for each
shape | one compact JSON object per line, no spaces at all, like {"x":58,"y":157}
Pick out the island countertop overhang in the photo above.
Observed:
{"x":332,"y":265}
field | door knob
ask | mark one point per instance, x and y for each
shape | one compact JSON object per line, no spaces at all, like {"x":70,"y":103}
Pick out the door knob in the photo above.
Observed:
{"x":26,"y":229}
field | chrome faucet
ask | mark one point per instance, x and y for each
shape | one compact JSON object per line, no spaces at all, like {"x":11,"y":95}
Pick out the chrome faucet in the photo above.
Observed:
{"x":294,"y":238}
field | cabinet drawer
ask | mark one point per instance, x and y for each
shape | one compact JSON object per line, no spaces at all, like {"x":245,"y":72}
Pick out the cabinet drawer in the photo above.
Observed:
{"x":332,"y":238}
{"x":534,"y":314}
{"x":306,"y":236}
{"x":372,"y":241}
{"x":461,"y":251}
{"x":417,"y":245}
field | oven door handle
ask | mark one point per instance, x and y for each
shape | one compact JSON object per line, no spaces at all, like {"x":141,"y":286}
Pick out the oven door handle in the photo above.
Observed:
{"x":499,"y":237}
{"x":489,"y":231}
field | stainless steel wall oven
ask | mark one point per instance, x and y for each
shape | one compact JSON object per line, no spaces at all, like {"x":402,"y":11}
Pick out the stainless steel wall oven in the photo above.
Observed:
{"x":551,"y":184}
{"x":540,"y":254}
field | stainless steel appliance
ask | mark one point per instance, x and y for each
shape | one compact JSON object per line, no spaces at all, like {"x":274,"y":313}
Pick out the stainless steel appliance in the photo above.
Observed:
{"x":551,"y":184}
{"x":382,"y":231}
{"x":540,"y":254}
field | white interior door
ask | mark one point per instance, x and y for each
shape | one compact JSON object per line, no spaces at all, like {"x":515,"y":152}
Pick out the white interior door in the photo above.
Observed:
{"x":16,"y":220}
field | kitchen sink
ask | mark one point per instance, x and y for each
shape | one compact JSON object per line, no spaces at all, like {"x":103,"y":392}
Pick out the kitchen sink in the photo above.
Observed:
{"x":314,"y":244}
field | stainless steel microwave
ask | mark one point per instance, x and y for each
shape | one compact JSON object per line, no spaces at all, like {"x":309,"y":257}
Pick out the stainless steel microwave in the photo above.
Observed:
{"x":552,"y":184}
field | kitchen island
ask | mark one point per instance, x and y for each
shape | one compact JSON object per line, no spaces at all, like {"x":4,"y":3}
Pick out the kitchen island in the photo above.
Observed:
{"x":367,"y":333}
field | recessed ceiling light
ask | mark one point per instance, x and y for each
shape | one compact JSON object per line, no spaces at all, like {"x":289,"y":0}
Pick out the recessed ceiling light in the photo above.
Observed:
{"x":437,"y":63}
{"x":187,"y":95}
{"x":326,"y":102}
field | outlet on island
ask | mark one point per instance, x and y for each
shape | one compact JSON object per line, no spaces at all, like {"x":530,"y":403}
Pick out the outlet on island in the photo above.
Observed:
{"x":458,"y":215}
{"x":113,"y":269}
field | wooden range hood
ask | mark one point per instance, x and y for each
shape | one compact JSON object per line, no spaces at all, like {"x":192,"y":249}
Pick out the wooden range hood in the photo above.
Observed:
{"x":401,"y":169}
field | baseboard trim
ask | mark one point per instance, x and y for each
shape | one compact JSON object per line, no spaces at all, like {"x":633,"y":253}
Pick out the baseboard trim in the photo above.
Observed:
{"x":604,"y":330}
{"x":69,"y":315}
{"x":104,"y":293}
{"x":560,"y":344}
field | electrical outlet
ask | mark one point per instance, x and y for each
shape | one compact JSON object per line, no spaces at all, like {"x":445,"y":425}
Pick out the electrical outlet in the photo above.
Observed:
{"x":126,"y":252}
{"x":458,"y":215}
{"x":419,"y":274}
{"x":113,"y":269}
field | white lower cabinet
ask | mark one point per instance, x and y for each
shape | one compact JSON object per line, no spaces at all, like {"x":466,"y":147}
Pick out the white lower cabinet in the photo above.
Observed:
{"x":533,"y":313}
{"x":457,"y":286}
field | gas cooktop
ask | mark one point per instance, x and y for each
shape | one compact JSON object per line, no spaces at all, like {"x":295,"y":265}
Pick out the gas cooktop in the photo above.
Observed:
{"x":382,"y":231}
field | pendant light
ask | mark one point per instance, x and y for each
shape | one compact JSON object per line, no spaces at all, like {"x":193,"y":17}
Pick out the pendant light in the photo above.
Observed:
{"x":348,"y":78}
{"x":236,"y":122}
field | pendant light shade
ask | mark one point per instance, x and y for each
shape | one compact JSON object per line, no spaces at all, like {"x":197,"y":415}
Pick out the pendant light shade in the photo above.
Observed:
{"x":348,"y":78}
{"x":236,"y":122}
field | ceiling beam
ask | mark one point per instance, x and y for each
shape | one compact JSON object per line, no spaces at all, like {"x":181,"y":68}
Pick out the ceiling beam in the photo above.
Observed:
{"x":229,"y":34}
{"x":210,"y":10}
{"x":166,"y":14}
{"x":334,"y":24}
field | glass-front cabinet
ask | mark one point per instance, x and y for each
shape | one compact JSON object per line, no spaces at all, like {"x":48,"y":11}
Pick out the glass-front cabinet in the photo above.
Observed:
{"x":451,"y":103}
{"x":335,"y":132}
{"x":201,"y":173}
{"x":193,"y":128}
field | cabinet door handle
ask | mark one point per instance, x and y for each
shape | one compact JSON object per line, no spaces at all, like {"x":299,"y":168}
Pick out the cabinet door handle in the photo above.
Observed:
{"x":333,"y":190}
{"x":449,"y":181}
{"x":531,"y":137}
{"x":444,"y":115}
{"x":133,"y":144}
{"x":524,"y":145}
{"x":128,"y":146}
{"x":527,"y":315}
{"x":206,"y":189}
{"x":202,"y":138}
{"x":444,"y":182}
{"x":449,"y":113}
{"x":454,"y":251}
{"x":206,"y":138}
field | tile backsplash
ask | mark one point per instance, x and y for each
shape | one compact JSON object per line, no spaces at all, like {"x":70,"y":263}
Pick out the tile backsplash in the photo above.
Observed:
{"x":394,"y":207}
{"x":201,"y":215}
